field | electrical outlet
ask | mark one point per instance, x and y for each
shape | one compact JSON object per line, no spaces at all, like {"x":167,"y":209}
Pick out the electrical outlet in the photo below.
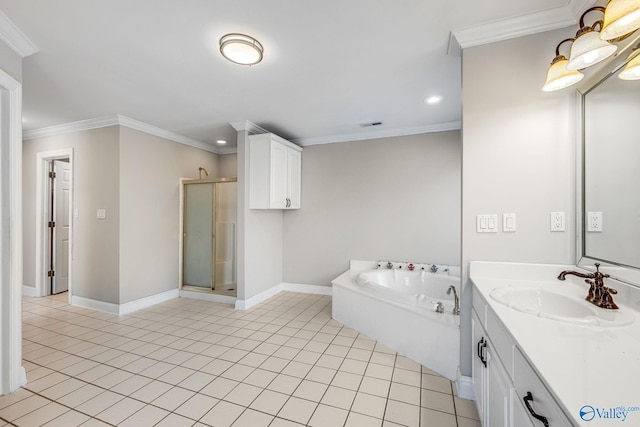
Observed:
{"x":594,"y":222}
{"x":557,"y":221}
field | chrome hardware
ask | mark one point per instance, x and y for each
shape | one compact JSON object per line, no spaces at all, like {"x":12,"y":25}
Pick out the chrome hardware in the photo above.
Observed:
{"x":439,"y":307}
{"x":389,"y":265}
{"x":599,"y":294}
{"x":456,"y":307}
{"x":434,"y":268}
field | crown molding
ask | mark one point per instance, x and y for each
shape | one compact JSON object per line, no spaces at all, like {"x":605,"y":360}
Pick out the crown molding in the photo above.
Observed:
{"x":389,"y":133}
{"x":13,"y":37}
{"x":524,"y":25}
{"x":125,"y":121}
{"x":249,"y":127}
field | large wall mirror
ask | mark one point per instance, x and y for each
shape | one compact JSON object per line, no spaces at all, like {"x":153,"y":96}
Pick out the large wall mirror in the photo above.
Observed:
{"x":610,"y":205}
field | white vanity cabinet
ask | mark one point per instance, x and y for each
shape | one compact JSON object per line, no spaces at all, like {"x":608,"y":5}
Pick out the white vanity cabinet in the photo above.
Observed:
{"x":275,"y":167}
{"x":502,"y":377}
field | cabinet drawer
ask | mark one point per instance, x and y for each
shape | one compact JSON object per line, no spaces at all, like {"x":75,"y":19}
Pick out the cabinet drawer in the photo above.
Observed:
{"x":501,"y":341}
{"x":526,"y":381}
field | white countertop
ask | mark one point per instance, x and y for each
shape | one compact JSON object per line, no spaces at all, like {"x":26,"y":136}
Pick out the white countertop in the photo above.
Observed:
{"x":581,"y":365}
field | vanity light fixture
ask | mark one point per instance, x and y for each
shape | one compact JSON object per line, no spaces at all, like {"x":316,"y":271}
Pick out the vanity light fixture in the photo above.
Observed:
{"x":558,"y":76}
{"x":621,"y":17}
{"x":632,"y":70}
{"x":588,"y":48}
{"x":241,"y":49}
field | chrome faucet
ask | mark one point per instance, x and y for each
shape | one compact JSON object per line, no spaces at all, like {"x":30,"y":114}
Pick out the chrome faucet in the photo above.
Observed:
{"x":456,"y":307}
{"x":599,"y":294}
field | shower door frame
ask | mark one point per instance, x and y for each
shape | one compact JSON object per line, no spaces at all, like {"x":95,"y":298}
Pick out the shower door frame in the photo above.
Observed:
{"x":183,"y":183}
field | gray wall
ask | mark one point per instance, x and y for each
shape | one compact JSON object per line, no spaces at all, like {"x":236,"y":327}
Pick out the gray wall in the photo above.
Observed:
{"x":10,"y":62}
{"x":150,"y":172}
{"x":393,"y":198}
{"x":135,"y":177}
{"x":228,"y":165}
{"x":518,"y":157}
{"x":95,"y":180}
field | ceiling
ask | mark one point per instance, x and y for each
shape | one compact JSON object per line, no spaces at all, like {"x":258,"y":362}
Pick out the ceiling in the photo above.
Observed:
{"x":328,"y":66}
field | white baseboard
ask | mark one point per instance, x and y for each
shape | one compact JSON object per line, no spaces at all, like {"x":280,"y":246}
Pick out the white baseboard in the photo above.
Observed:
{"x":126,"y":308}
{"x":307,"y":289}
{"x":29,"y":291}
{"x":464,"y":387}
{"x":145,"y":302}
{"x":105,"y":307}
{"x":293,"y":287}
{"x":204,"y":296}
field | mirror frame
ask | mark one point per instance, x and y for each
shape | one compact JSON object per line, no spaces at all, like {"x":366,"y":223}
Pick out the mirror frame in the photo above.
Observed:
{"x":624,"y":273}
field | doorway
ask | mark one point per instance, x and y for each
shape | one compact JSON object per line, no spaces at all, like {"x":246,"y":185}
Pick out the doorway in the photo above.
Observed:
{"x":55,"y":223}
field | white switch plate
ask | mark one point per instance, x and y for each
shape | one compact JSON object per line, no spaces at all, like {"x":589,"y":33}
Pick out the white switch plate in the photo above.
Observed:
{"x":487,"y":223}
{"x":101,"y":214}
{"x":76,"y":213}
{"x":594,"y":221}
{"x":508,"y":222}
{"x":557,"y":221}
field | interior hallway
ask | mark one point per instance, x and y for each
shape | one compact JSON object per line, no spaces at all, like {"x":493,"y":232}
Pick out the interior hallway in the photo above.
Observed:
{"x":283,"y":363}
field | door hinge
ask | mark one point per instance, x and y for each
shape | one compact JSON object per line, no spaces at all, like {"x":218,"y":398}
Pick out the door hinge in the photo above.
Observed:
{"x":51,"y":224}
{"x":52,"y":175}
{"x":51,"y":273}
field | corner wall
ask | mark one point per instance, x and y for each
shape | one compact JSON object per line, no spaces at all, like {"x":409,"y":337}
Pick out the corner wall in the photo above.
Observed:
{"x":391,"y":198}
{"x":519,"y":150}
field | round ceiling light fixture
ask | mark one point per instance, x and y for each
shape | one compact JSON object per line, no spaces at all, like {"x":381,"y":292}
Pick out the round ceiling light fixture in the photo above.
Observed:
{"x":241,"y":49}
{"x":434,"y":99}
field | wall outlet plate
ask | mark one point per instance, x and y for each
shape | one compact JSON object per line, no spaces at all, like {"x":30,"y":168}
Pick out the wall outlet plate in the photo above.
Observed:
{"x":557,"y":221}
{"x":594,"y":222}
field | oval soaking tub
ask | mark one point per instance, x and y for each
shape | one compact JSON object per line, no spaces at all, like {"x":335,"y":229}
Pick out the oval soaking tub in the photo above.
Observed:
{"x":398,"y":309}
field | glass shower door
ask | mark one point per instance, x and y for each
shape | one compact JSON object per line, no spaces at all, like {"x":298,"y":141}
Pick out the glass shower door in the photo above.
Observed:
{"x":198,"y":235}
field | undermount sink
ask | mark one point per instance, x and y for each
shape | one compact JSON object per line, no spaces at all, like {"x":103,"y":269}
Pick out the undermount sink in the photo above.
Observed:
{"x":542,"y":302}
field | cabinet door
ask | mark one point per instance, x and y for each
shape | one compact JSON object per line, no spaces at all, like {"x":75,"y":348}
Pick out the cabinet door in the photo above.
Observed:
{"x":498,"y":392}
{"x":278,"y":190}
{"x":477,"y":367}
{"x":294,"y":169}
{"x":520,"y":415}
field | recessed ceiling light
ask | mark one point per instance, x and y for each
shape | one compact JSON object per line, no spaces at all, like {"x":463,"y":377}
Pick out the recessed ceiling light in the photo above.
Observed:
{"x":221,"y":141}
{"x":241,"y":49}
{"x":433,"y":99}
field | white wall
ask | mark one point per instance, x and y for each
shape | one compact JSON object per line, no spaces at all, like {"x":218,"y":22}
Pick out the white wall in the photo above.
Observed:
{"x":150,"y":172}
{"x":518,"y":157}
{"x":392,"y":198}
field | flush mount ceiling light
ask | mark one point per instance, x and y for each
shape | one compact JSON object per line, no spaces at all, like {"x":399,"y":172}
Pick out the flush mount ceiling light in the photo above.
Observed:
{"x":241,"y":49}
{"x":588,"y":49}
{"x":558,"y":77}
{"x":620,"y":18}
{"x":221,"y":141}
{"x":433,"y":99}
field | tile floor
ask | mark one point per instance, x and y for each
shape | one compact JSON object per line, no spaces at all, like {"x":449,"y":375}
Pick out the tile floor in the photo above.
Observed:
{"x":185,"y":362}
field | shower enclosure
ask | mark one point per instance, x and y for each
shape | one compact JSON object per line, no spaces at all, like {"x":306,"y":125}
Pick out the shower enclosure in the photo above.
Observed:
{"x":209,"y":235}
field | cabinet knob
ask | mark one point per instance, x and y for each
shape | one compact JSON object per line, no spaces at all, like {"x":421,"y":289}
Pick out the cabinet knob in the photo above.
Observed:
{"x":527,"y":402}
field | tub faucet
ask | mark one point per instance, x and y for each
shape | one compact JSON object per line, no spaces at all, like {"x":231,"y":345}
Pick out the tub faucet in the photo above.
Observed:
{"x":599,"y":294}
{"x":456,"y":307}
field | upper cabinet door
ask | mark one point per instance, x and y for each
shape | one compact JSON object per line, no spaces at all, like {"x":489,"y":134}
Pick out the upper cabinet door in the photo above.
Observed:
{"x":274,"y":173}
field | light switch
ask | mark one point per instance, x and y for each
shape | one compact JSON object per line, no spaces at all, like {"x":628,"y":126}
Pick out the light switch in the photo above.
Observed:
{"x":594,"y":222}
{"x":487,"y":223}
{"x":509,"y":222}
{"x":101,"y":214}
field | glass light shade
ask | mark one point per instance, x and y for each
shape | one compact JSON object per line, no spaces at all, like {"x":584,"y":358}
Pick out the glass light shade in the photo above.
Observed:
{"x":621,"y":17}
{"x":558,"y":77}
{"x":589,"y":49}
{"x":632,"y":70}
{"x":241,"y":49}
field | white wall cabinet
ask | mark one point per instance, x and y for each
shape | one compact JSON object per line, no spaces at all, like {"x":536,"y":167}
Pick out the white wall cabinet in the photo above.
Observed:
{"x":275,"y":171}
{"x":508,"y":391}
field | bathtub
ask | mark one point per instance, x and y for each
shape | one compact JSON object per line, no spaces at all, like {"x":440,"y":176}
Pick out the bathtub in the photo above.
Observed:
{"x":397,"y":308}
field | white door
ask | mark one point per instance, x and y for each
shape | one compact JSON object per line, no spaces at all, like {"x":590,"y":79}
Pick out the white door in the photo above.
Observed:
{"x":278,"y":176}
{"x":294,"y":169}
{"x":62,"y":219}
